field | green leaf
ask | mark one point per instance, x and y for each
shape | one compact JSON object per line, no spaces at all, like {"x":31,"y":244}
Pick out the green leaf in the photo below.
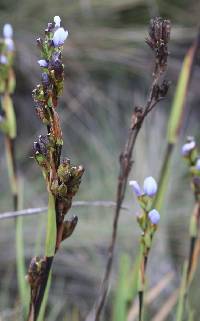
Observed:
{"x":51,"y":228}
{"x":180,"y":95}
{"x":45,"y":299}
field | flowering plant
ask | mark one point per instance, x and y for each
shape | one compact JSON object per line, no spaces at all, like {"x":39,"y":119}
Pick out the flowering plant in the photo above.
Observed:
{"x":62,"y":178}
{"x":148,"y":220}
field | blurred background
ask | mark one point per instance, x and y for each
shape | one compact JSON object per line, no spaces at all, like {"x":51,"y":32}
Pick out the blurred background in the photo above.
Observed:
{"x":108,"y":71}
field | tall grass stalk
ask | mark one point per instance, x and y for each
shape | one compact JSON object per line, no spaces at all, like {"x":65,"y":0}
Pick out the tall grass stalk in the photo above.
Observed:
{"x":9,"y":128}
{"x":62,"y":179}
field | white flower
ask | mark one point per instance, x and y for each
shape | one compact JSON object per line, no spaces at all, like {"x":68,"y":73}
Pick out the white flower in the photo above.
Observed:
{"x":198,"y":164}
{"x":9,"y":44}
{"x":43,"y":63}
{"x":7,"y":31}
{"x":188,"y":147}
{"x":154,"y":216}
{"x":57,"y":21}
{"x":3,"y":60}
{"x":136,"y":188}
{"x":150,"y":186}
{"x":59,"y":37}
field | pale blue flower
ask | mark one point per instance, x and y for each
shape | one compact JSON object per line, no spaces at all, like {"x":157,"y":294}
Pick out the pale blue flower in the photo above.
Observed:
{"x":57,"y":21}
{"x":150,"y":186}
{"x":59,"y":37}
{"x":136,"y":188}
{"x":188,"y":147}
{"x":43,"y":63}
{"x":198,"y":164}
{"x":9,"y":44}
{"x":3,"y":60}
{"x":154,"y":216}
{"x":7,"y":31}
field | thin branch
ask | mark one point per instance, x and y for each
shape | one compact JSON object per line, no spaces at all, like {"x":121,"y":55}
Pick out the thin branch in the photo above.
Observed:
{"x":40,"y":210}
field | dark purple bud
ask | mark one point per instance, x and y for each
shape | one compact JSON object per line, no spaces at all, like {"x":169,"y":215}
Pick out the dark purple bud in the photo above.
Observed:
{"x":45,"y":80}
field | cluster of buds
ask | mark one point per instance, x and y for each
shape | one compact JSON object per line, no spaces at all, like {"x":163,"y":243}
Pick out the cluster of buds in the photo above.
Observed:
{"x":46,"y":94}
{"x":159,"y":36}
{"x":62,"y":178}
{"x":149,"y":217}
{"x":190,"y":153}
{"x":7,"y":82}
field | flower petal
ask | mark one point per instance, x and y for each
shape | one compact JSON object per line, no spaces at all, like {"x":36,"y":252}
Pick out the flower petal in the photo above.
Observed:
{"x":150,"y":186}
{"x":59,"y":37}
{"x":7,"y":30}
{"x":154,"y":216}
{"x":136,"y":188}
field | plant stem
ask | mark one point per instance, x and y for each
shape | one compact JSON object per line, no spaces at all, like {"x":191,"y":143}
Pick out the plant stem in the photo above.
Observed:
{"x":126,"y":162}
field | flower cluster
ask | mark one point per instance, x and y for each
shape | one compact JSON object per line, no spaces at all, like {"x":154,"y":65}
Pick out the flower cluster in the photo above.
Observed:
{"x":62,"y":178}
{"x":190,"y":153}
{"x":150,"y":217}
{"x":6,"y":45}
{"x":159,"y":36}
{"x":146,"y":195}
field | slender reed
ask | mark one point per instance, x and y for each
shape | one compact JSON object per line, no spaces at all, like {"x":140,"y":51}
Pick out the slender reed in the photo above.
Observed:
{"x":190,"y":154}
{"x":7,"y":113}
{"x":159,"y":34}
{"x":9,"y":128}
{"x":62,"y":179}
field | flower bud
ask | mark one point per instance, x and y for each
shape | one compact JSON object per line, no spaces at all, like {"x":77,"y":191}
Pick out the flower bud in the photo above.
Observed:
{"x":188,"y":147}
{"x":9,"y":44}
{"x":136,"y":188}
{"x":150,"y":186}
{"x":198,"y":164}
{"x":57,"y":21}
{"x":43,"y":63}
{"x":154,"y":216}
{"x":3,"y":60}
{"x":7,"y":31}
{"x":59,"y":37}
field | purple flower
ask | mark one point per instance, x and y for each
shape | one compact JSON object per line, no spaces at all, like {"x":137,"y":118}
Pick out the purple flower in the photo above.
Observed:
{"x":59,"y":37}
{"x":43,"y":63}
{"x":3,"y":60}
{"x":7,"y":31}
{"x":154,"y":216}
{"x":188,"y":147}
{"x":9,"y":44}
{"x":136,"y":188}
{"x":57,"y":21}
{"x":150,"y":186}
{"x":198,"y":164}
